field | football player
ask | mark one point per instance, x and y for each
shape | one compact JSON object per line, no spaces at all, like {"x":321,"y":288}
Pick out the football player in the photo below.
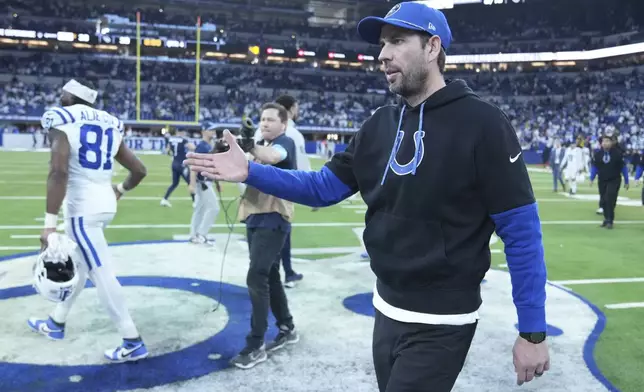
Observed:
{"x":572,"y":166}
{"x":177,"y":146}
{"x":85,"y":142}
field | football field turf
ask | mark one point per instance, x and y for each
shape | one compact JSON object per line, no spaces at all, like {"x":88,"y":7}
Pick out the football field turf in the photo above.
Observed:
{"x":577,"y":250}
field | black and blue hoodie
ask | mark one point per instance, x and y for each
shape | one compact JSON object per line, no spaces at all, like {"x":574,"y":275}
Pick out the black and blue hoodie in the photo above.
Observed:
{"x":438,"y":179}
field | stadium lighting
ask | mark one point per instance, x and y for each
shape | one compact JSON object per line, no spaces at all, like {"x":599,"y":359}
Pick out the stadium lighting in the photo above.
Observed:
{"x":365,"y":57}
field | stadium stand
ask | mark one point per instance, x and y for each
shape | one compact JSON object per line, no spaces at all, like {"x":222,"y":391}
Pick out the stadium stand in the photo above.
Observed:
{"x":544,"y":99}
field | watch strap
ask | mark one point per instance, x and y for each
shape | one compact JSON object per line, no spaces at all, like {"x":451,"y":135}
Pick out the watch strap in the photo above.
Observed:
{"x":533,"y":337}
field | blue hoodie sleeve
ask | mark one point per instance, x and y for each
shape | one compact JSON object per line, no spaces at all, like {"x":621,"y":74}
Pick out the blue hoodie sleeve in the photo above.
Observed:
{"x":593,"y":172}
{"x":508,"y":196}
{"x":334,"y":183}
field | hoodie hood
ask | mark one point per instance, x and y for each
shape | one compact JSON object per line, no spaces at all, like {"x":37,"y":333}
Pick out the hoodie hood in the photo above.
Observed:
{"x":454,"y":90}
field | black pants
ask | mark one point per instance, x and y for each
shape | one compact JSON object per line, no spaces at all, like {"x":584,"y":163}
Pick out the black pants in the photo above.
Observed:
{"x":418,"y":357}
{"x":608,"y":191}
{"x":286,"y":256}
{"x":264,"y":283}
{"x":178,"y":172}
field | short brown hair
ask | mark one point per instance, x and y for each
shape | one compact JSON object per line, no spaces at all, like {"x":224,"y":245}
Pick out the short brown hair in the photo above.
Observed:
{"x":442,"y":59}
{"x":442,"y":56}
{"x":281,"y":111}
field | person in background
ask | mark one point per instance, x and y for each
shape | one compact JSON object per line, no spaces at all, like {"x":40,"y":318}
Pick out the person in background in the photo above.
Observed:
{"x":609,"y":166}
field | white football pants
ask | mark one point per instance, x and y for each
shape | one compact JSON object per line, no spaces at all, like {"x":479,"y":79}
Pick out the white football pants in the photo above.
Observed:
{"x":206,"y":210}
{"x":93,"y":261}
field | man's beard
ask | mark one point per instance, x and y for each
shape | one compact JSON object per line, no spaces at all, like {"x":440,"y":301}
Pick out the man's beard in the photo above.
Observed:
{"x":410,"y":85}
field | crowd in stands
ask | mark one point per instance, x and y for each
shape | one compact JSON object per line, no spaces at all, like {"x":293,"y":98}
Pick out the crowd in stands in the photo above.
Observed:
{"x":526,"y":27}
{"x":162,"y":102}
{"x":592,"y":101}
{"x":595,"y":103}
{"x":313,"y":80}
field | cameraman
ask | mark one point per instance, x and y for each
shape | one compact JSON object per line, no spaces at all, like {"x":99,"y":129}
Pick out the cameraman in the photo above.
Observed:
{"x":301,"y":163}
{"x":206,"y":203}
{"x":267,"y":221}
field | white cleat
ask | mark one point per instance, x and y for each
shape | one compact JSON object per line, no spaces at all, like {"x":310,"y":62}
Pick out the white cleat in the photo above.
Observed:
{"x":165,"y":203}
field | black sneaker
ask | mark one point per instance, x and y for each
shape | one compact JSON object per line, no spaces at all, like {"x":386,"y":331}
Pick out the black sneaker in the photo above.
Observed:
{"x":291,"y":279}
{"x":249,"y":357}
{"x":284,"y":336}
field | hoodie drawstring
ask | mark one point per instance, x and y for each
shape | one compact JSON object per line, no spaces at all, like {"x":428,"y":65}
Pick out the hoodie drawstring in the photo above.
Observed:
{"x":418,"y":143}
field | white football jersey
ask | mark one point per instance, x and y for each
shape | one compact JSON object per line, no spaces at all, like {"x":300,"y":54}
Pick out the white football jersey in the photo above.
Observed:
{"x":573,"y":161}
{"x":94,"y":137}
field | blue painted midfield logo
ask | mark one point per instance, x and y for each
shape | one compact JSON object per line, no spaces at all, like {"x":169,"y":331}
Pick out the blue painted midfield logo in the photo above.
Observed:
{"x":169,"y":368}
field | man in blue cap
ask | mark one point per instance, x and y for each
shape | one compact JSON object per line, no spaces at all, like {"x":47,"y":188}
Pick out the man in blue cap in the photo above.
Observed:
{"x":430,"y":218}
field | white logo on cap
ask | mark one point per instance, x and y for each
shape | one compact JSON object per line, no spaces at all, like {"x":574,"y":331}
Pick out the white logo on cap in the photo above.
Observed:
{"x":393,"y":10}
{"x":431,"y":26}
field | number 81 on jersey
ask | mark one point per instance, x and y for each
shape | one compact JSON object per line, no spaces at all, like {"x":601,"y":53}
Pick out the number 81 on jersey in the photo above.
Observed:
{"x":95,"y":146}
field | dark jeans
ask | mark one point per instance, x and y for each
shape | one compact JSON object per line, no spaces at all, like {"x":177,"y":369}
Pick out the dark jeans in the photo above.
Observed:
{"x":286,"y":256}
{"x":264,"y":283}
{"x":178,"y":172}
{"x":410,"y":357}
{"x":608,"y":192}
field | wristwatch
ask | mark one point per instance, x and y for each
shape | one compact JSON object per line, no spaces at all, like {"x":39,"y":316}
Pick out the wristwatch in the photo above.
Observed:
{"x":533,"y":337}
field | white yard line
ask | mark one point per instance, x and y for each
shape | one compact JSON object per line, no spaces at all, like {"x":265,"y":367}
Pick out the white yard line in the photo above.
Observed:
{"x":184,"y":226}
{"x":43,"y":171}
{"x":597,"y":281}
{"x":626,"y":305}
{"x":19,"y":247}
{"x":314,"y":224}
{"x":134,"y":198}
{"x":41,"y":219}
{"x":143,"y":184}
{"x":590,"y":222}
{"x":24,"y":236}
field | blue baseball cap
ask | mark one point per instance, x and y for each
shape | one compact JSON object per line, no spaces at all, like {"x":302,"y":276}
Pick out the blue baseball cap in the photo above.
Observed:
{"x":412,"y":15}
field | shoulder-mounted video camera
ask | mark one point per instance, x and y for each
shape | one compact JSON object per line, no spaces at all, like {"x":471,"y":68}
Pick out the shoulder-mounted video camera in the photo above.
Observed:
{"x":244,"y":135}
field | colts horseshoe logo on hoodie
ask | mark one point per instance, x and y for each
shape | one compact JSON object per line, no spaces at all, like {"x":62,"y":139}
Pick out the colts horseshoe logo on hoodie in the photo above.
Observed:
{"x":411,"y":166}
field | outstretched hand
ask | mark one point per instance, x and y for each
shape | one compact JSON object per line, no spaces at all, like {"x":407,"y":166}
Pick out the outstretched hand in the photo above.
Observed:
{"x":231,"y":166}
